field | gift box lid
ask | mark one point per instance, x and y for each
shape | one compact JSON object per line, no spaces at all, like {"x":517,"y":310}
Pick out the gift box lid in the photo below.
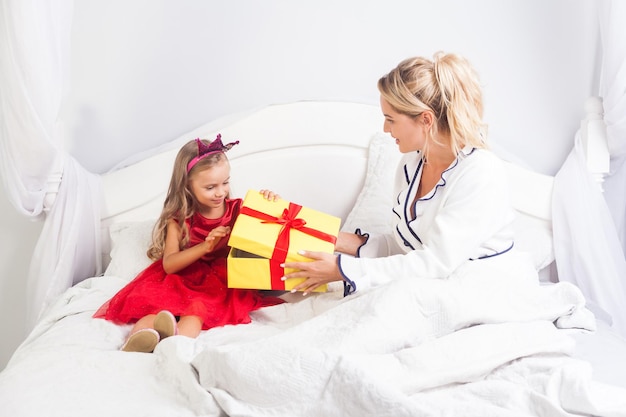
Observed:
{"x":279,"y":229}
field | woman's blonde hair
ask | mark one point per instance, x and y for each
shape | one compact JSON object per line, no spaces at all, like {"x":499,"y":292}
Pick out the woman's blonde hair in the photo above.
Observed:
{"x":180,"y":203}
{"x":448,"y":86}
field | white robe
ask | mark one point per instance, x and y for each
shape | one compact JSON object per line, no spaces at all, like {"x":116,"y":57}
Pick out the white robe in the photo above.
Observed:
{"x":464,"y":219}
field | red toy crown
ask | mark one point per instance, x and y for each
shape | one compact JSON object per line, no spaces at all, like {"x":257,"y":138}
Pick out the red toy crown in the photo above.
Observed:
{"x":206,"y":150}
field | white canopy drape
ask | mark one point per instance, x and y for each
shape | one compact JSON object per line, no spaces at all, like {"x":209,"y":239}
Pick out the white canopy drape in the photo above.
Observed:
{"x":588,"y":226}
{"x":613,"y":91}
{"x":39,"y":176}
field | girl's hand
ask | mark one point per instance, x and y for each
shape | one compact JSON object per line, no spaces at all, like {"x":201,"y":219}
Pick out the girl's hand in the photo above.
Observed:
{"x":269,"y":195}
{"x":214,"y":237}
{"x":321,"y":270}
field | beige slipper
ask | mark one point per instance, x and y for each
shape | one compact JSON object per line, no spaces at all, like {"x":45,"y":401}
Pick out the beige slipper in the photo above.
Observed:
{"x":144,"y":340}
{"x":165,"y":324}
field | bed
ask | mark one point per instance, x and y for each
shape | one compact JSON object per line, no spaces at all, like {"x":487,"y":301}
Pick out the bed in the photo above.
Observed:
{"x":383,"y":352}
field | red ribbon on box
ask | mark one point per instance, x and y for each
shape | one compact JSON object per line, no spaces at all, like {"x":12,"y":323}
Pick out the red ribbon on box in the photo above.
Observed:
{"x":288,"y":221}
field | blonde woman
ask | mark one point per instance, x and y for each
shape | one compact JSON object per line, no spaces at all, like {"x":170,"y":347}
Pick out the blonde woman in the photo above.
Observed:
{"x":451,"y":205}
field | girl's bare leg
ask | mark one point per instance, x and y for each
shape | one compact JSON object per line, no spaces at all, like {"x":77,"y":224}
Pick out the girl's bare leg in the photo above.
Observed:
{"x":146,"y":322}
{"x":189,"y":326}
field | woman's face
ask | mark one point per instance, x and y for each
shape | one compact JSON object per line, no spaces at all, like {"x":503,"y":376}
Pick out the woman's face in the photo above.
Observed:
{"x":410,"y":133}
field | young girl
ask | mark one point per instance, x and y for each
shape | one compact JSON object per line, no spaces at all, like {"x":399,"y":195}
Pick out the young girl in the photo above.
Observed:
{"x":189,"y":247}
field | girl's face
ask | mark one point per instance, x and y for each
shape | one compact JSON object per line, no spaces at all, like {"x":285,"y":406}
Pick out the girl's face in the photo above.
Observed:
{"x":210,"y":187}
{"x":410,"y":133}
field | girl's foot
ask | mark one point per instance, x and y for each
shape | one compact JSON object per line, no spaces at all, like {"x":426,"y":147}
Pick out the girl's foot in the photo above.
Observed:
{"x":144,"y":340}
{"x":165,"y":324}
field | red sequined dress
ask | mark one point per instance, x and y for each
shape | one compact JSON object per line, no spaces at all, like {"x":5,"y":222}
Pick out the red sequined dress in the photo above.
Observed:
{"x":200,"y":289}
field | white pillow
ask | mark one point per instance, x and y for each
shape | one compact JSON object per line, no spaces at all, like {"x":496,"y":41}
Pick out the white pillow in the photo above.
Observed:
{"x":129,"y":244}
{"x":372,"y":209}
{"x":371,"y":212}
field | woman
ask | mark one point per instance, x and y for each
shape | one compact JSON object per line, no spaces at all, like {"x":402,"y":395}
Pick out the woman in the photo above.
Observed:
{"x":452,"y":204}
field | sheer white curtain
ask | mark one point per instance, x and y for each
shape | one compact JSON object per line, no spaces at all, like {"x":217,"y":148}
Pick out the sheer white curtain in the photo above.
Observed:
{"x":613,"y":91}
{"x":43,"y":181}
{"x":589,"y":226}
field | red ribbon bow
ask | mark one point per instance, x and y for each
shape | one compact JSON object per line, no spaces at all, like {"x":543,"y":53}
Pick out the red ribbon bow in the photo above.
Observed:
{"x":289,"y":221}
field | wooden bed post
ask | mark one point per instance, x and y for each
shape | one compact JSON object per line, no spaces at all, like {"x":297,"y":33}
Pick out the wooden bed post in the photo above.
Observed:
{"x":594,"y":140}
{"x":52,"y":184}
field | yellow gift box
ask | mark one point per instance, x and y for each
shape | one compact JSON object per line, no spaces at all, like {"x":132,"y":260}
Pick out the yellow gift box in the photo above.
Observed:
{"x":267,"y":233}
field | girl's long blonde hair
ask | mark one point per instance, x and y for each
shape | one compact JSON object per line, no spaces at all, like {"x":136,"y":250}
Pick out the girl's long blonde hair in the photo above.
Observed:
{"x":180,"y":203}
{"x":449,"y":87}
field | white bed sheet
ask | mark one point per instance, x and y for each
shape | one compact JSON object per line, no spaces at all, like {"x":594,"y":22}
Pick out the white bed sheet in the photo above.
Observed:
{"x":605,"y":350}
{"x":324,"y":355}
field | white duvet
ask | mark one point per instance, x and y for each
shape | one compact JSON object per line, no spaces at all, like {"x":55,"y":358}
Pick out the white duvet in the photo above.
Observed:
{"x":473,"y":345}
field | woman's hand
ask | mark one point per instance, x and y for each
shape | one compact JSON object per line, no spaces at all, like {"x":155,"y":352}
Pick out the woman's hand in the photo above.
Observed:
{"x":321,"y":270}
{"x":214,"y":237}
{"x":269,"y":195}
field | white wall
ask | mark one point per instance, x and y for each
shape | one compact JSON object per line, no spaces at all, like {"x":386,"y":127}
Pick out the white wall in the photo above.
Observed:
{"x":17,"y":242}
{"x":147,"y":71}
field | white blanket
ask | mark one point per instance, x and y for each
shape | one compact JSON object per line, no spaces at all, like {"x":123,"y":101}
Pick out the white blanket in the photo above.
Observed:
{"x":470,"y":346}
